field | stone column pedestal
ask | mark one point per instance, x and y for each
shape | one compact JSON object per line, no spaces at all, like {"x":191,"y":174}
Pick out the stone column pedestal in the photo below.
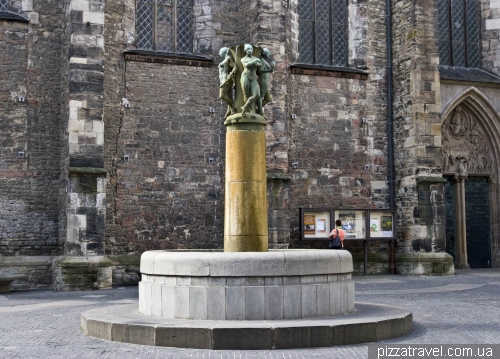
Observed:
{"x":245,"y":213}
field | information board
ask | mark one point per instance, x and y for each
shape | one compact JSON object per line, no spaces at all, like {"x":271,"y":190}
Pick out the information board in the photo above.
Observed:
{"x":316,"y":224}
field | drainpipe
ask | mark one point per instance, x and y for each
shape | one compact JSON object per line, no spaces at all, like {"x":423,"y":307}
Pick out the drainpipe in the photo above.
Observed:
{"x":390,"y":130}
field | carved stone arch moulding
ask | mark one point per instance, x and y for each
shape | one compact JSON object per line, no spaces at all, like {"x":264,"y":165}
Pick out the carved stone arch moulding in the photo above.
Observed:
{"x":470,"y":134}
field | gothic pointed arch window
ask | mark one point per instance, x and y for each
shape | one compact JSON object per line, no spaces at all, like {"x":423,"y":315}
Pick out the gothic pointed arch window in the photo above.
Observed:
{"x":323,"y":32}
{"x":459,"y":27}
{"x":164,"y":25}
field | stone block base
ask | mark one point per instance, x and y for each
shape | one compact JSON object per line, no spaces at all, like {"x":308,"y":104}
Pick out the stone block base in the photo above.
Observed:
{"x":6,"y":281}
{"x":81,"y":273}
{"x":418,"y":263}
{"x":378,"y":263}
{"x":25,"y":272}
{"x":125,"y":268}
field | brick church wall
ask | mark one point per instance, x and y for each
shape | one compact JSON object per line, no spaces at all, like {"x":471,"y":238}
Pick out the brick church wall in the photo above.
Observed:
{"x":170,"y":193}
{"x":30,"y":67}
{"x":338,"y":138}
{"x":326,"y":132}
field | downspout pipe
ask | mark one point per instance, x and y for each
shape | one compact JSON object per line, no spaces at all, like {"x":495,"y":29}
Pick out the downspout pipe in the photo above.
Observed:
{"x":390,"y":128}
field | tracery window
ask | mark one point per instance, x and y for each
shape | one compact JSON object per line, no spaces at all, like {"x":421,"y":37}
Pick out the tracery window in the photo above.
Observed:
{"x":164,"y":25}
{"x":323,"y":32}
{"x":459,"y":26}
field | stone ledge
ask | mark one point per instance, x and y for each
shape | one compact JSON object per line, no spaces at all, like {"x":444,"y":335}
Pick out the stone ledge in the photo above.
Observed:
{"x":328,"y":71}
{"x":425,"y":264}
{"x":87,"y":170}
{"x":276,"y":176}
{"x":248,"y":281}
{"x":369,"y":323}
{"x":468,"y":75}
{"x":431,"y":179}
{"x":12,"y":16}
{"x":25,"y":261}
{"x":158,"y":57}
{"x":70,"y":262}
{"x":289,"y":262}
{"x":125,"y":259}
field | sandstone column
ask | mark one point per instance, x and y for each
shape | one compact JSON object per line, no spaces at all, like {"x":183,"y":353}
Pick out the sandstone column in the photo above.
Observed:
{"x":461,"y":261}
{"x":245,"y":212}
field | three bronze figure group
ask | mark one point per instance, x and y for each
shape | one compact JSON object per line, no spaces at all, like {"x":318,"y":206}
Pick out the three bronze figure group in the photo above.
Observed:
{"x":254,"y":79}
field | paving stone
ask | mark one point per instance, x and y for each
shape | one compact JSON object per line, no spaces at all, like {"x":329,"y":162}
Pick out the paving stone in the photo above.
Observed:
{"x":451,"y":317}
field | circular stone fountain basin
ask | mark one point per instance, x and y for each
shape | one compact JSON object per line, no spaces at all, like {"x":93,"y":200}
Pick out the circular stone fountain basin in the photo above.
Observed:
{"x":247,"y":301}
{"x":274,"y":285}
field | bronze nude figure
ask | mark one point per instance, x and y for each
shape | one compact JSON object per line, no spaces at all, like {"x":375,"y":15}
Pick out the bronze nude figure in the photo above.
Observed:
{"x":227,"y":72}
{"x":249,"y":83}
{"x":265,"y":76}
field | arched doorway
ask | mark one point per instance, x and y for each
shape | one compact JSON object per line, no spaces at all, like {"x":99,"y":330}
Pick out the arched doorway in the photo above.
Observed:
{"x":471,"y":142}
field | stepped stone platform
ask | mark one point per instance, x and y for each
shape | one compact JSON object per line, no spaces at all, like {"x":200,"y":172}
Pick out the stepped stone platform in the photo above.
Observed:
{"x":368,"y":323}
{"x":247,"y":300}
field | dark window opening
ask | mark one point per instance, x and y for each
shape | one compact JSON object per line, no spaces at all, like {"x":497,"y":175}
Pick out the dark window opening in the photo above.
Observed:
{"x":323,"y":32}
{"x":164,"y":25}
{"x":459,"y":27}
{"x":10,"y":5}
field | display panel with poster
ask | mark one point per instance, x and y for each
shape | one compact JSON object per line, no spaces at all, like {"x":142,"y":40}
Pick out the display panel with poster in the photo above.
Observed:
{"x":353,"y":223}
{"x":316,"y":225}
{"x":359,"y":224}
{"x":381,"y":224}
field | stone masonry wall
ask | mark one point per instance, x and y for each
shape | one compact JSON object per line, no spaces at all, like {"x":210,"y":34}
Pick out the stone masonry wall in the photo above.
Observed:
{"x":160,"y":163}
{"x":270,"y":31}
{"x":330,"y":145}
{"x":490,"y":37}
{"x":169,"y":192}
{"x":417,"y":117}
{"x":30,"y":60}
{"x":37,"y":271}
{"x":214,"y":27}
{"x":83,"y":104}
{"x":185,"y":171}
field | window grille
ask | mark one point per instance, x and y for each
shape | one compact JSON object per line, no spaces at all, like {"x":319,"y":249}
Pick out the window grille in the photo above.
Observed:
{"x":164,"y":25}
{"x":459,"y":26}
{"x":10,"y":5}
{"x":323,"y":32}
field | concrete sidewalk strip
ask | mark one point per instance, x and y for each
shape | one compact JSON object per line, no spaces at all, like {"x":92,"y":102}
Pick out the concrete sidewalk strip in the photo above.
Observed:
{"x":41,"y":306}
{"x":482,"y":272}
{"x":442,"y":289}
{"x":121,"y":301}
{"x":376,"y":281}
{"x":94,"y":296}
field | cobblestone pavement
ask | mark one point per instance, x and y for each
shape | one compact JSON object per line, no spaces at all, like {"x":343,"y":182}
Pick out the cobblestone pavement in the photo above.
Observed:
{"x":45,"y":324}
